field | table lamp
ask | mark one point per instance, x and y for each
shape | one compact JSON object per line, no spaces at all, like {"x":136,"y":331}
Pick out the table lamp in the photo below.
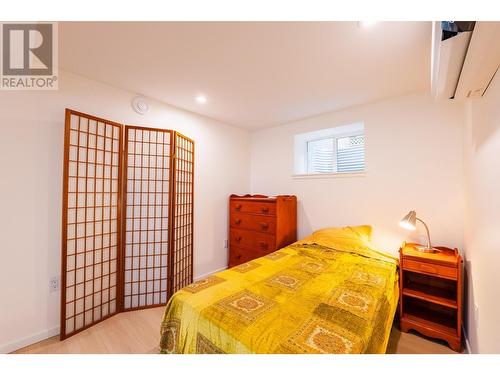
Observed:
{"x":409,"y":222}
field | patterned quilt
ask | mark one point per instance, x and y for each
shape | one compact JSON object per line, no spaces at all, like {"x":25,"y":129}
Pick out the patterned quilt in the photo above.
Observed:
{"x":304,"y":298}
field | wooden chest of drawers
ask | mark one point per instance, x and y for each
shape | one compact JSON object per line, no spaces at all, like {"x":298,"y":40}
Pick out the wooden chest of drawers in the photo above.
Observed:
{"x":259,"y":225}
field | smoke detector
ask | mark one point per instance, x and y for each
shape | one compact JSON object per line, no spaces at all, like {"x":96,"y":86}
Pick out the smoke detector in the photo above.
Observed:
{"x":140,"y":105}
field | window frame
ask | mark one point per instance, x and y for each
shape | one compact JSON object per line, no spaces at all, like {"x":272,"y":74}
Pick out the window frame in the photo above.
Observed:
{"x":299,"y":166}
{"x":335,"y":139}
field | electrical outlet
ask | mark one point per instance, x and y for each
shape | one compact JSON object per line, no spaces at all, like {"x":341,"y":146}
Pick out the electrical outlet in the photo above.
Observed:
{"x":224,"y":243}
{"x":54,"y":284}
{"x":476,"y":313}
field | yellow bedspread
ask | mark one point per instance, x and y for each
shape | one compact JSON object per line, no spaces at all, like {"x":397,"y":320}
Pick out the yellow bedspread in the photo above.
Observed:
{"x":320,"y":295}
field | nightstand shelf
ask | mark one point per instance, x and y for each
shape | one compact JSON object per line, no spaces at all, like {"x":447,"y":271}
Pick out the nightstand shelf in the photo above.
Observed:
{"x":437,"y":324}
{"x":426,"y":313}
{"x":431,"y":293}
{"x":443,"y":297}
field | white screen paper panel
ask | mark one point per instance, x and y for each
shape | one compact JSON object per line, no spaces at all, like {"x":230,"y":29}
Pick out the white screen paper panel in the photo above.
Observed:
{"x":147,"y":154}
{"x":91,"y":232}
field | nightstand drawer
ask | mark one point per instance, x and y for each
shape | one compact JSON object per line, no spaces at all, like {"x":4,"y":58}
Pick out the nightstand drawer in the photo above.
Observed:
{"x":430,"y":269}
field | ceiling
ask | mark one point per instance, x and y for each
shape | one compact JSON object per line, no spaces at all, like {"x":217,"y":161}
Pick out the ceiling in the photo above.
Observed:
{"x":254,"y":74}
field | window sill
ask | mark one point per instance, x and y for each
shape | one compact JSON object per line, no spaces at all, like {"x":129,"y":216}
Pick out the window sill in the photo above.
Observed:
{"x":314,"y":176}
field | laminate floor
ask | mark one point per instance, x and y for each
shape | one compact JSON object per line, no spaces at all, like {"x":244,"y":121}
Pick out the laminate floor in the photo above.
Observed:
{"x":137,"y":332}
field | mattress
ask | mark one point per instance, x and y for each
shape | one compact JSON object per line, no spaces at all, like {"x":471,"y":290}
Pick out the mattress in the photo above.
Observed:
{"x":315,"y":296}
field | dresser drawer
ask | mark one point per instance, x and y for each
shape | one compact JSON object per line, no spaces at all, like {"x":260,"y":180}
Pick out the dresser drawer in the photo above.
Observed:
{"x":247,"y":207}
{"x":239,"y":255}
{"x":265,"y":243}
{"x":264,"y":224}
{"x":255,"y":240}
{"x":430,"y":269}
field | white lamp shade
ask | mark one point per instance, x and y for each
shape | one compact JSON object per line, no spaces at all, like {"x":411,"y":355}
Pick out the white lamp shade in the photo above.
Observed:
{"x":409,"y":221}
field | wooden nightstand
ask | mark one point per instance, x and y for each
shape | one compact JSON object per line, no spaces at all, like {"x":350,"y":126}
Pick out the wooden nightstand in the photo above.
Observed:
{"x":431,"y":293}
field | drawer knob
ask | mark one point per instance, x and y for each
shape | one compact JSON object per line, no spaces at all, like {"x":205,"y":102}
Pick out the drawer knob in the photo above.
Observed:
{"x":238,"y":206}
{"x":237,"y":221}
{"x":264,"y":225}
{"x":264,"y":245}
{"x":238,"y":239}
{"x":238,"y":256}
{"x":265,"y":209}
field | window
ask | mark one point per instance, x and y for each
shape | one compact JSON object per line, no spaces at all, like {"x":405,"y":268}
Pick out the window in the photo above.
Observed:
{"x":320,"y":156}
{"x":351,"y":153}
{"x":331,"y":151}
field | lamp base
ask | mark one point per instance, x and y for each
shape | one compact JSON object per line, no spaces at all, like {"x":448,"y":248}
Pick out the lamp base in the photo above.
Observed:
{"x":425,"y":249}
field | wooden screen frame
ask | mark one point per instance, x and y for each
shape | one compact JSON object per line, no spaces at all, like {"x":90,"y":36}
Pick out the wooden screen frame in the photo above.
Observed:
{"x":188,"y":278}
{"x":169,"y":218}
{"x":121,"y":216}
{"x":65,"y":224}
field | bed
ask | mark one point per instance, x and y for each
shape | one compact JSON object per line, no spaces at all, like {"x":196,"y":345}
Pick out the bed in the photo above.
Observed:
{"x":328,"y":293}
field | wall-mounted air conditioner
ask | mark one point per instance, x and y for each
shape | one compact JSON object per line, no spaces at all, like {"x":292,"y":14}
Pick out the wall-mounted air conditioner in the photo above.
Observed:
{"x":465,"y":58}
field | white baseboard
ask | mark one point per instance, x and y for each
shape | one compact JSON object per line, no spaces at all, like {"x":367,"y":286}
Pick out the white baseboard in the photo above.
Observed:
{"x":466,"y":339}
{"x":208,"y":274}
{"x":18,"y":344}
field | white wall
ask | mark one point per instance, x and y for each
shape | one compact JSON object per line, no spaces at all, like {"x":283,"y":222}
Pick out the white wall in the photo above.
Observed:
{"x":31,"y":151}
{"x":482,"y":218}
{"x":413,"y":161}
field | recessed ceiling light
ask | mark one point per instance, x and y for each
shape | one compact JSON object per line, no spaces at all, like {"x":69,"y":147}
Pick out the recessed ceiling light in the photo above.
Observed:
{"x":201,"y":99}
{"x":366,"y":23}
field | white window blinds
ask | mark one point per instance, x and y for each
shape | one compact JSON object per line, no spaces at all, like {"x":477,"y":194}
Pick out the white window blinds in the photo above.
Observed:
{"x":320,"y":155}
{"x":336,"y":154}
{"x":351,"y":154}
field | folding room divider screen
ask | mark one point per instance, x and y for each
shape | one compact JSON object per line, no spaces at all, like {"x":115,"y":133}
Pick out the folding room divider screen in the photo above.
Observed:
{"x":127,"y":235}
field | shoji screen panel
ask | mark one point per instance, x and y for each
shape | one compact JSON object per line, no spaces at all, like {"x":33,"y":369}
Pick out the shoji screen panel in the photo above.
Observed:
{"x":182,"y":211}
{"x":91,"y":221}
{"x":147,"y":205}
